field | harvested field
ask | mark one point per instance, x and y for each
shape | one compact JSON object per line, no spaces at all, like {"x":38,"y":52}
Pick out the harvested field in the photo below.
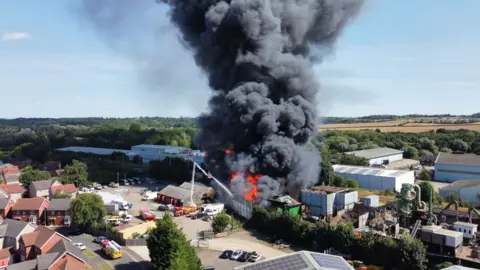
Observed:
{"x":399,"y":126}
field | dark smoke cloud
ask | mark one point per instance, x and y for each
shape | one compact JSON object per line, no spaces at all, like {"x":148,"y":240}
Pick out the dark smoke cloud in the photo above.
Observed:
{"x":258,"y":57}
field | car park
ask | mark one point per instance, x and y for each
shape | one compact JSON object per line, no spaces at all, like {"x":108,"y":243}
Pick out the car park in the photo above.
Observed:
{"x":226,"y":254}
{"x":99,"y":239}
{"x":81,"y":246}
{"x":236,"y":254}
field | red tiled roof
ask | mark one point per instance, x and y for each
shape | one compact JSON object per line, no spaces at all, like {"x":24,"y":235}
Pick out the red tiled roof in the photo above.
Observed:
{"x":13,"y":188}
{"x":29,"y":238}
{"x":5,"y":253}
{"x":29,"y":204}
{"x":68,"y":188}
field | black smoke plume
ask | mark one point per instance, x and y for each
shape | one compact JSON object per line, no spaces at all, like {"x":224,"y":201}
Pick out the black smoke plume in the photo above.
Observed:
{"x":258,"y":57}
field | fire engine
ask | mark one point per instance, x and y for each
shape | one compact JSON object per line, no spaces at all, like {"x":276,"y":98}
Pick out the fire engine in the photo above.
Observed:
{"x":112,"y":249}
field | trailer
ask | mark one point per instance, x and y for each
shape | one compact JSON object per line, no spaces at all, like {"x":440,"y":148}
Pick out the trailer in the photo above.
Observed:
{"x":212,"y":209}
{"x":149,"y":196}
{"x":112,"y":249}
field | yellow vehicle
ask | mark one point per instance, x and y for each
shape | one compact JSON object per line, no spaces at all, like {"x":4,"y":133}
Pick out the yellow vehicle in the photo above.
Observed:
{"x":112,"y":249}
{"x":113,"y":220}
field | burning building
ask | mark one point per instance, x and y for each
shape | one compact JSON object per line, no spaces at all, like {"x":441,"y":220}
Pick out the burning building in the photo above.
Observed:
{"x":258,"y":56}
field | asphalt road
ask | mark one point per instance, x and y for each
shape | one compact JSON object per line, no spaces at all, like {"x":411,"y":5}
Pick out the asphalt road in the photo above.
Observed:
{"x":128,"y":261}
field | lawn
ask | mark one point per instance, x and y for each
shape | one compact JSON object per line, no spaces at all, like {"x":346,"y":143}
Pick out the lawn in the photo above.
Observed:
{"x":104,"y":266}
{"x":383,"y":198}
{"x":88,"y":253}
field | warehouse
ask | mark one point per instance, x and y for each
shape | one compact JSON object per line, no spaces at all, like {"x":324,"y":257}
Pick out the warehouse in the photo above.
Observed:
{"x":326,"y":201}
{"x":381,"y":155}
{"x":453,"y":167}
{"x":96,"y":151}
{"x":374,"y":178}
{"x":466,"y":190}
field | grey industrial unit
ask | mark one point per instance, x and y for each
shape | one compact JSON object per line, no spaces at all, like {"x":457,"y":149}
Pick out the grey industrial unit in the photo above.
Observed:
{"x":439,"y":240}
{"x":453,"y":167}
{"x":380,"y":155}
{"x":327,"y":200}
{"x":466,"y":190}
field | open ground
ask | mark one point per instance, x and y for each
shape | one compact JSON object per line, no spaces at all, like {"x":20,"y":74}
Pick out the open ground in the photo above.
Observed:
{"x":405,"y":125}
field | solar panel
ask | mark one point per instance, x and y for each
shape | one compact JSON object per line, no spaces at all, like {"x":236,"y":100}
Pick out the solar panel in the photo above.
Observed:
{"x":397,"y":173}
{"x":349,"y":170}
{"x":329,"y":261}
{"x":291,"y":262}
{"x":362,"y":171}
{"x":375,"y":172}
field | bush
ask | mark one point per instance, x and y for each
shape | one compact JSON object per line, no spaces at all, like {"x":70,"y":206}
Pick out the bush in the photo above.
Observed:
{"x":351,"y":183}
{"x":389,"y":192}
{"x":220,"y":222}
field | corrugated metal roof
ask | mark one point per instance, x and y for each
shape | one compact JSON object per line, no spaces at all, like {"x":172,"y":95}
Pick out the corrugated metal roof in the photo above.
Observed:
{"x":368,"y":171}
{"x":96,"y":151}
{"x":458,"y":159}
{"x":462,"y":184}
{"x":375,"y":152}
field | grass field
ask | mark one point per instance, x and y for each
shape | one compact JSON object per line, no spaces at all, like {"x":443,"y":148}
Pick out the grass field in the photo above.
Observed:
{"x":406,"y":125}
{"x":88,"y":253}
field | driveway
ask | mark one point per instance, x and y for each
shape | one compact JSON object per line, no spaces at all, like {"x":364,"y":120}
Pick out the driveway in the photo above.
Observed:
{"x":130,"y":260}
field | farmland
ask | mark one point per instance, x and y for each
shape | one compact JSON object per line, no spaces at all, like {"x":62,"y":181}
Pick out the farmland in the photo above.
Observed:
{"x":404,"y":125}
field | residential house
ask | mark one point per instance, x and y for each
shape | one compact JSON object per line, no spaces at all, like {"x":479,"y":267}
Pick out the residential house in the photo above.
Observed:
{"x":42,"y":188}
{"x":14,"y":191}
{"x":5,"y":206}
{"x":58,"y":212}
{"x":10,"y":174}
{"x":53,"y":261}
{"x":52,"y":166}
{"x":11,"y":230}
{"x":53,"y":248}
{"x":7,"y":257}
{"x":69,"y":189}
{"x":30,"y":209}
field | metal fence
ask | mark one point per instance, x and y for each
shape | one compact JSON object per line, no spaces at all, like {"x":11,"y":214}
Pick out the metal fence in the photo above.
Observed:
{"x":241,"y":206}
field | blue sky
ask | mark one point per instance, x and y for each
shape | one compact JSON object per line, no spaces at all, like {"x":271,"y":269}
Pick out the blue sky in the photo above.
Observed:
{"x":399,"y":57}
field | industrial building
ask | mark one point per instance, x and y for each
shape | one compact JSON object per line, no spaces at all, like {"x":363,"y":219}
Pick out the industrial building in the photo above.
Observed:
{"x":381,"y":155}
{"x":326,"y":201}
{"x":375,"y":178}
{"x":304,"y":260}
{"x":285,"y":204}
{"x":147,"y":152}
{"x":466,"y":190}
{"x":453,"y":167}
{"x":441,"y":241}
{"x":468,"y":229}
{"x":180,"y":196}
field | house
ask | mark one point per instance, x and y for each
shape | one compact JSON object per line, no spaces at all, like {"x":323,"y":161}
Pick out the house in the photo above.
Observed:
{"x":69,"y":189}
{"x":50,"y":250}
{"x":58,"y":212}
{"x":29,"y":209}
{"x":14,"y":191}
{"x":10,"y":174}
{"x":7,"y":257}
{"x":5,"y":206}
{"x":42,"y":188}
{"x":11,"y":230}
{"x":381,"y":155}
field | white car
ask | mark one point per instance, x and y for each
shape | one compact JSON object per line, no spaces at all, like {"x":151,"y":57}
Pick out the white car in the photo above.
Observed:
{"x":80,"y":246}
{"x":127,"y":218}
{"x":236,"y":254}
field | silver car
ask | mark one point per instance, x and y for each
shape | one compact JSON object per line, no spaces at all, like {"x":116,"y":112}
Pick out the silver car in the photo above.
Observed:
{"x":236,"y":254}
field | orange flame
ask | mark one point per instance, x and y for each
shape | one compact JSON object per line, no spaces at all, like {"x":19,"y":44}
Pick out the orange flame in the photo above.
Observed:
{"x":252,"y":179}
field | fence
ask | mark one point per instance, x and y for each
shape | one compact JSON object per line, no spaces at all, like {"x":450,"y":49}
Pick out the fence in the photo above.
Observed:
{"x":135,"y":242}
{"x":241,"y":206}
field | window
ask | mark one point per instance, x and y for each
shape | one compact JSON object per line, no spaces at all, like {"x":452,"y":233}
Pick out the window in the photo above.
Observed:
{"x":464,"y":230}
{"x":470,"y":232}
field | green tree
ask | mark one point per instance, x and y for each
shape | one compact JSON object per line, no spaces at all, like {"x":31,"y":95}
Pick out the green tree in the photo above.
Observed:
{"x":87,"y":210}
{"x":169,"y":248}
{"x":220,"y":222}
{"x":424,"y":175}
{"x":410,"y":152}
{"x":337,"y":181}
{"x":76,"y":174}
{"x":354,"y":160}
{"x":61,"y":195}
{"x":351,"y":183}
{"x":29,"y":175}
{"x":412,"y":253}
{"x":446,"y":150}
{"x":326,"y":169}
{"x":425,"y":191}
{"x":459,"y":145}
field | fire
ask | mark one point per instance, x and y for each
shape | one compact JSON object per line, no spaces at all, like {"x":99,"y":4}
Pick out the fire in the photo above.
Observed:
{"x":252,"y":179}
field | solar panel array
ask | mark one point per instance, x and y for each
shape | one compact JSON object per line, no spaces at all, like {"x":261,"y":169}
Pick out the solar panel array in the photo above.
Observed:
{"x":291,"y":262}
{"x":332,"y":262}
{"x":362,"y":171}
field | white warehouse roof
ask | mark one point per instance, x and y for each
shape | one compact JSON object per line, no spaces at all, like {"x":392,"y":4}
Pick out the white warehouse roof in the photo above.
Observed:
{"x":96,"y":151}
{"x":159,"y":147}
{"x":375,"y":152}
{"x":368,"y":171}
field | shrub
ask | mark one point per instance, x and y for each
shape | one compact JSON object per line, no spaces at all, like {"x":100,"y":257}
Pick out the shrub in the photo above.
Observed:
{"x":220,"y":222}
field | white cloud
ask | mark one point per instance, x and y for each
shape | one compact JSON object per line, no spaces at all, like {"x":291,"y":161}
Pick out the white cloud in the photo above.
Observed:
{"x":7,"y":36}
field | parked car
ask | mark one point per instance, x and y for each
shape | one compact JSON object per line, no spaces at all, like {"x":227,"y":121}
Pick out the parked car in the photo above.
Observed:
{"x":113,"y":185}
{"x":81,"y":246}
{"x":226,"y":254}
{"x":236,"y":254}
{"x":162,"y":207}
{"x":254,"y":257}
{"x":98,"y":187}
{"x":99,"y":239}
{"x":127,"y":218}
{"x":244,"y":257}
